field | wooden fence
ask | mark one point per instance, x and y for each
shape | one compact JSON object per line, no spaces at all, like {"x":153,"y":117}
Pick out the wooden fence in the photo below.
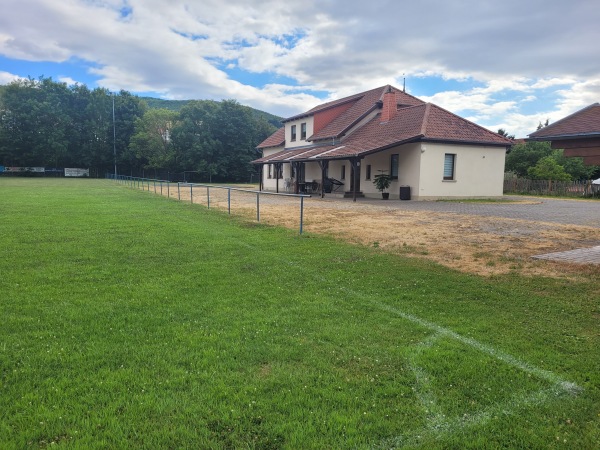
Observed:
{"x":549,"y":187}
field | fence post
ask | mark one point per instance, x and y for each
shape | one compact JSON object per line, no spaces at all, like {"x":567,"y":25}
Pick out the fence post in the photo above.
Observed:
{"x":178,"y":191}
{"x":168,"y":189}
{"x":208,"y":197}
{"x":191,"y":193}
{"x":257,"y":207}
{"x":301,"y":212}
{"x":228,"y":201}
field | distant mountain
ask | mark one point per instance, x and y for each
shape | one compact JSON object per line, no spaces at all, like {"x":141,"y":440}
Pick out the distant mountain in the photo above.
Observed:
{"x":176,"y":105}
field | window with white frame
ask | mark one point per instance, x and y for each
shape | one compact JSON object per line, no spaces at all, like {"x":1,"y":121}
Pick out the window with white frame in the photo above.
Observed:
{"x":449,"y":166}
{"x":303,"y":131}
{"x":368,"y":172}
{"x":293,"y":131}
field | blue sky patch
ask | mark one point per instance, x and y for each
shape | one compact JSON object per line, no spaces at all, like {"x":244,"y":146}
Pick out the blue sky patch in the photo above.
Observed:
{"x":430,"y":85}
{"x":74,"y":68}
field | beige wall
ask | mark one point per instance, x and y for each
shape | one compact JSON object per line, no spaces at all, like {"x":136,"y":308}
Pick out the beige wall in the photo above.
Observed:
{"x":269,"y":183}
{"x":479,"y":171}
{"x":288,"y":132}
{"x":408,"y":169}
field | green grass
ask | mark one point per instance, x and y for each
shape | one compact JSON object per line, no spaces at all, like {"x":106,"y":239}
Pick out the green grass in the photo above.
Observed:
{"x":134,"y":321}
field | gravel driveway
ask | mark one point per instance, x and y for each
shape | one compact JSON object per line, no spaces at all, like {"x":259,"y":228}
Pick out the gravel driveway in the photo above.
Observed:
{"x":566,"y":212}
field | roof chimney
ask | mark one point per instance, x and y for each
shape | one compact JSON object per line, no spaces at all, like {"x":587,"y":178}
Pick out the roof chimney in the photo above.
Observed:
{"x":389,"y":109}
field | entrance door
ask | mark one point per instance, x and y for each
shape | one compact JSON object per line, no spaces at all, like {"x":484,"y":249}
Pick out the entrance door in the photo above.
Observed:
{"x":353,"y":178}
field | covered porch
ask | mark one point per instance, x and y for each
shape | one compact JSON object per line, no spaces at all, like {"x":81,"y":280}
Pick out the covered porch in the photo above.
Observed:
{"x":324,"y":171}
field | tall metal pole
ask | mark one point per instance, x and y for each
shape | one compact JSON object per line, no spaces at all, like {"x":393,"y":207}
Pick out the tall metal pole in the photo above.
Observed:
{"x":114,"y":135}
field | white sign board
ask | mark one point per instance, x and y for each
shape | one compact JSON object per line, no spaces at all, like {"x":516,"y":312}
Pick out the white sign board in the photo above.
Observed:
{"x":77,"y":172}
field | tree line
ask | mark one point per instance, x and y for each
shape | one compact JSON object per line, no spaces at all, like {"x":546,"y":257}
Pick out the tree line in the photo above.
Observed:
{"x":539,"y":161}
{"x":50,"y":124}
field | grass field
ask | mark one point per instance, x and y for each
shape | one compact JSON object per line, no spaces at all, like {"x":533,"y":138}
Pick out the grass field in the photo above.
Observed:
{"x":133,"y":321}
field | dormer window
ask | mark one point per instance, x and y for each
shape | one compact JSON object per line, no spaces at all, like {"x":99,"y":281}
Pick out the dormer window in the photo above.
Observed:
{"x":293,"y":138}
{"x":303,"y":131}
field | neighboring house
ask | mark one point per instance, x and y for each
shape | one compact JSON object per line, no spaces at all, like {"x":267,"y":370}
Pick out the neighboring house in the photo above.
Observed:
{"x":349,"y":141}
{"x":578,"y":134}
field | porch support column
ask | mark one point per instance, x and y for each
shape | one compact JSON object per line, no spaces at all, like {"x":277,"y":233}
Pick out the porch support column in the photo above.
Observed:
{"x":295,"y":171}
{"x":355,"y":163}
{"x":260,"y":183}
{"x":276,"y":166}
{"x":323,"y":163}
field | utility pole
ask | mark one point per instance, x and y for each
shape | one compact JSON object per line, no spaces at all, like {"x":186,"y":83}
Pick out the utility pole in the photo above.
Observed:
{"x":114,"y":135}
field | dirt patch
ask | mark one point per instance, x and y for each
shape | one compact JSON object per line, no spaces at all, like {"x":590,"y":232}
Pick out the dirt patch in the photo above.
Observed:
{"x":469,"y":243}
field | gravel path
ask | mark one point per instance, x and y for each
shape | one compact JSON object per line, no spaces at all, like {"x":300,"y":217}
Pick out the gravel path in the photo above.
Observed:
{"x":566,"y":212}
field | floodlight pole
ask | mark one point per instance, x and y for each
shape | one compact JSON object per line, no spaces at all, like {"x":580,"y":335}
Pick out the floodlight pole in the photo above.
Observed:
{"x":114,"y":135}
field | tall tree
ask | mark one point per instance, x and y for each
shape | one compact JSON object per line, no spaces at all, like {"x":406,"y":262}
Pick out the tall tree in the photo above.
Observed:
{"x":524,"y":156}
{"x":152,"y":140}
{"x":548,"y":169}
{"x":503,"y":132}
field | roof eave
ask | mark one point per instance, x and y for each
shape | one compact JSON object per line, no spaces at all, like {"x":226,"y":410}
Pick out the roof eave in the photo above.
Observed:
{"x":467,"y":142}
{"x":563,"y":137}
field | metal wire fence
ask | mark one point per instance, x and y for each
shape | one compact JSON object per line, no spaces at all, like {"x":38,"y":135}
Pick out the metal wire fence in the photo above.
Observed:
{"x":221,"y":197}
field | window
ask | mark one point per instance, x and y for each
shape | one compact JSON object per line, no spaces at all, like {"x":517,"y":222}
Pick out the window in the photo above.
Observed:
{"x":293,"y":138}
{"x":368,"y":172}
{"x":303,"y":131}
{"x":343,"y":174}
{"x":278,"y":171}
{"x":269,"y":171}
{"x":449,"y":164}
{"x":394,"y":166}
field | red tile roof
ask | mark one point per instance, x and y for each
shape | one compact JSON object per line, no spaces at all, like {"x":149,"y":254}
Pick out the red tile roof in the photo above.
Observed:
{"x":583,"y":123}
{"x":277,"y":139}
{"x":413,"y":121}
{"x":362,"y":106}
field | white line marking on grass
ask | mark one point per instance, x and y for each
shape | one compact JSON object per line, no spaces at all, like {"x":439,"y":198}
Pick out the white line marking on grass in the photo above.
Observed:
{"x":437,"y":422}
{"x":504,"y":357}
{"x":435,"y":430}
{"x":423,"y":390}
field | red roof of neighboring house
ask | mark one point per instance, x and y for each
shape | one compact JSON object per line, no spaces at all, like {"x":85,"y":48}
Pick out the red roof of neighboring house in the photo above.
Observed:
{"x":413,"y":121}
{"x":583,"y":123}
{"x":277,"y":139}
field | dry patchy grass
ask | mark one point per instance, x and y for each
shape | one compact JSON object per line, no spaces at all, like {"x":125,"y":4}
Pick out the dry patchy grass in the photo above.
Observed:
{"x":474,"y":244}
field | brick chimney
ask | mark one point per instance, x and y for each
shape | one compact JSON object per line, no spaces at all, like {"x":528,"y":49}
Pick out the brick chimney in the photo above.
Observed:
{"x":389,"y":109}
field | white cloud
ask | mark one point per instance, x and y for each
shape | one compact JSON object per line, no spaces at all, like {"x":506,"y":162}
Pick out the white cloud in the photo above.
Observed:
{"x":70,"y":81}
{"x":179,"y":49}
{"x":6,"y":78}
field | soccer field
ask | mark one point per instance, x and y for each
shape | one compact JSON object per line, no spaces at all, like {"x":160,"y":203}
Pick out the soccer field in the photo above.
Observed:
{"x":130,"y":320}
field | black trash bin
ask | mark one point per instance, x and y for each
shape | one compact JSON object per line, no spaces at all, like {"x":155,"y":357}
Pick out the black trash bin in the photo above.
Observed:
{"x":404,"y":192}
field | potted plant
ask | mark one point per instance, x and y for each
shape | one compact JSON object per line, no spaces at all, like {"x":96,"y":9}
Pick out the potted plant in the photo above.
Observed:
{"x":382,"y":181}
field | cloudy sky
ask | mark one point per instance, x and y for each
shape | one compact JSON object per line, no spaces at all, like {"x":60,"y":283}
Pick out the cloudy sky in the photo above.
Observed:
{"x":508,"y":64}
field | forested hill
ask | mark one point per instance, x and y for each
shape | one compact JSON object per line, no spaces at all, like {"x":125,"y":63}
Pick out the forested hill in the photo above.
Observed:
{"x":44,"y":123}
{"x":176,"y":105}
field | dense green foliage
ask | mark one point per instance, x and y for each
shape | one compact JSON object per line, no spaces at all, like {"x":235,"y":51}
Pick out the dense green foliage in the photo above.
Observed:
{"x":44,"y":123}
{"x":523,"y":159}
{"x":548,"y":169}
{"x":50,"y":124}
{"x":133,"y":321}
{"x":177,"y":105}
